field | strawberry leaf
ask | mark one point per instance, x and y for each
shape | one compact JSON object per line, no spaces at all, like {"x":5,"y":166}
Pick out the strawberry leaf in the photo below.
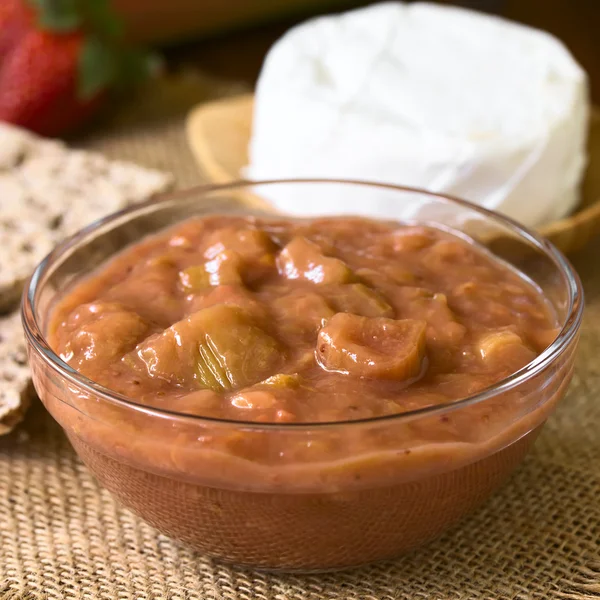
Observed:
{"x":61,"y":16}
{"x":97,"y":68}
{"x":101,"y":18}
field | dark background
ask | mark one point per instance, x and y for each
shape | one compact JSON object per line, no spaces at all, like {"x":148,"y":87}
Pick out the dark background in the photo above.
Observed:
{"x":238,"y":53}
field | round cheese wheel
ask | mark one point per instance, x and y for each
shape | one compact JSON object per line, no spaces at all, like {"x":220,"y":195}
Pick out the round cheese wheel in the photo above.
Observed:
{"x":427,"y":96}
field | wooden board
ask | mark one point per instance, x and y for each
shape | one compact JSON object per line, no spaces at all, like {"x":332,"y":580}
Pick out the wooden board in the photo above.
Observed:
{"x":219,"y":133}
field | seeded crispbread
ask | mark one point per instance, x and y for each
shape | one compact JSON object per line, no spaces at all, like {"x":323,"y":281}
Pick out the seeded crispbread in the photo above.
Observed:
{"x":16,"y":390}
{"x":48,"y":191}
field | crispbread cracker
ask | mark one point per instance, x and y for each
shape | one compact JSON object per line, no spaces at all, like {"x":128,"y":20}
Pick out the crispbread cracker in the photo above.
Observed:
{"x":15,"y":385}
{"x":48,"y":191}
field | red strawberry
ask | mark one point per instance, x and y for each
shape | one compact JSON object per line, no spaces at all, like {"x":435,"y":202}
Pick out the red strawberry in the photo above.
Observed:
{"x":39,"y":84}
{"x":15,"y":20}
{"x":58,"y":60}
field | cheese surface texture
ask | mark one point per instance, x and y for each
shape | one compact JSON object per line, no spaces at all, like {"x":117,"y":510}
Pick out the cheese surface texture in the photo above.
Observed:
{"x":427,"y":96}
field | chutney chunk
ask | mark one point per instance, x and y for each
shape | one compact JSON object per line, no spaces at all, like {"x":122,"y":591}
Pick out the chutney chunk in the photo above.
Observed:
{"x":443,"y":326}
{"x":194,"y":279}
{"x":359,"y":299}
{"x":302,"y":259}
{"x":228,"y":295}
{"x":302,"y":312}
{"x":253,"y":244}
{"x":411,"y":239}
{"x":101,"y":332}
{"x":225,"y":268}
{"x":504,"y":348}
{"x":283,"y":320}
{"x":376,"y":348}
{"x":283,"y":381}
{"x":158,"y":278}
{"x":218,"y":348}
{"x":239,"y":254}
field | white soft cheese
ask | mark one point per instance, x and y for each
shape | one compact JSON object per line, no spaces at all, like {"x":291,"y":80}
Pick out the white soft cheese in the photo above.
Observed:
{"x":422,"y":95}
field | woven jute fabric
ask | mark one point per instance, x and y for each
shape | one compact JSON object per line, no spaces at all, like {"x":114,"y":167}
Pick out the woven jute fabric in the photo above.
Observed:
{"x":63,"y":536}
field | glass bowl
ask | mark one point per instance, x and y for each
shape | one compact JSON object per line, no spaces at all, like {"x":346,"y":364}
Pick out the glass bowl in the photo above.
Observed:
{"x":304,"y":497}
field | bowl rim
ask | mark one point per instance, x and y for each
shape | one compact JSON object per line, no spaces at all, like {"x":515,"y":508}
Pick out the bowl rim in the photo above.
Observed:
{"x":38,"y":343}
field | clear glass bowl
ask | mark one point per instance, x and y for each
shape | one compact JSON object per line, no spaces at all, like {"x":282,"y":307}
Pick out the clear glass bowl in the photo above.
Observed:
{"x":304,"y":497}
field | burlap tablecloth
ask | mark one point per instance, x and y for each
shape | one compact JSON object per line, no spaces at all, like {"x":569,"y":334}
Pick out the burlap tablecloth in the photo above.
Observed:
{"x":63,"y":536}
